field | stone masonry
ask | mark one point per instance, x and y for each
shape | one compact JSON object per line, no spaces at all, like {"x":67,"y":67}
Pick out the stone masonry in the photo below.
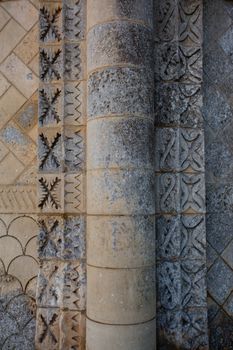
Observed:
{"x":116,"y":165}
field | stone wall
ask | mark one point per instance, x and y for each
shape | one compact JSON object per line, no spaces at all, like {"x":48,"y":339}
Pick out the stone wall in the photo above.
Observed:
{"x":105,"y":173}
{"x":18,"y":203}
{"x":218,"y":111}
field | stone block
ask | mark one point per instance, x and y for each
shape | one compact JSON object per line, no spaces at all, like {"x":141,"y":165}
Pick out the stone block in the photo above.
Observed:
{"x":18,"y":142}
{"x":167,"y":149}
{"x":227,"y":254}
{"x":10,"y":36}
{"x":219,"y":281}
{"x":177,"y":62}
{"x":178,"y":104}
{"x":166,"y":18}
{"x":74,"y":238}
{"x":215,"y":104}
{"x":121,"y":296}
{"x":116,"y":91}
{"x":19,"y":75}
{"x":23,"y":12}
{"x":75,"y":103}
{"x":192,"y":197}
{"x":74,"y":23}
{"x":47,"y":329}
{"x":168,"y":285}
{"x":50,"y":105}
{"x":74,"y":148}
{"x":62,"y":285}
{"x":193,"y":237}
{"x":50,"y":237}
{"x":28,"y":47}
{"x":10,"y":169}
{"x":10,"y":103}
{"x":74,"y":193}
{"x":168,"y":233}
{"x":15,"y":199}
{"x":193,"y":283}
{"x":51,"y":64}
{"x":191,"y":156}
{"x":219,"y":198}
{"x":169,"y":329}
{"x":137,"y":10}
{"x":74,"y":58}
{"x":219,"y":230}
{"x":27,"y":116}
{"x":50,"y":283}
{"x":50,"y":21}
{"x":221,"y":331}
{"x":4,"y":85}
{"x":115,"y":43}
{"x":167,"y":193}
{"x":137,"y":337}
{"x":124,"y":241}
{"x":51,"y":193}
{"x":194,"y":329}
{"x":211,"y":255}
{"x":73,"y":286}
{"x":228,"y":306}
{"x":72,"y":330}
{"x":4,"y":18}
{"x":125,"y":142}
{"x":50,"y":150}
{"x":120,"y":192}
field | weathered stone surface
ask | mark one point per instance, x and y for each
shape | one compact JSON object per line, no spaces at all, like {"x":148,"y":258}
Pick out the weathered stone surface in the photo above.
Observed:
{"x":121,"y":296}
{"x":120,"y":192}
{"x":119,"y":43}
{"x":138,"y":10}
{"x":129,"y":337}
{"x":220,"y":279}
{"x":99,"y":336}
{"x":178,"y":104}
{"x":125,"y":142}
{"x":125,"y":242}
{"x":219,"y":230}
{"x":120,"y":91}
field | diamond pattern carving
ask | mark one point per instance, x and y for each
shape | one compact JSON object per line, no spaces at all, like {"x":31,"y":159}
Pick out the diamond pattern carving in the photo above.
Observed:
{"x":218,"y":91}
{"x":18,"y":198}
{"x":18,"y":99}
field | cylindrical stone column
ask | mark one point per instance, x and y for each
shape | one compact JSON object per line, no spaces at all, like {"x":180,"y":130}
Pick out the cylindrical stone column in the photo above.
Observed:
{"x":120,"y":178}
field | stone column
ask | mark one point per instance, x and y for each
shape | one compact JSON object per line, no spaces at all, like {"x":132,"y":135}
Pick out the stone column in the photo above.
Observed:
{"x":180,"y":204}
{"x":120,"y":177}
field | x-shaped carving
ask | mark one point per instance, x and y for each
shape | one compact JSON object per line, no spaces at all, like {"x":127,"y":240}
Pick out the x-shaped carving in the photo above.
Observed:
{"x":49,"y":151}
{"x":47,"y":328}
{"x":49,"y":23}
{"x":46,"y":232}
{"x":49,"y":192}
{"x":48,"y":64}
{"x":48,"y":106}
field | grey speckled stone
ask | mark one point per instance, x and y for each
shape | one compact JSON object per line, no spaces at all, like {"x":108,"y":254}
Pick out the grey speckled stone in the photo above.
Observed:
{"x":120,"y":192}
{"x":219,"y":230}
{"x":125,"y":142}
{"x":221,"y":336}
{"x":168,"y":237}
{"x":177,"y":104}
{"x":220,"y":281}
{"x":219,"y":198}
{"x":104,"y":10}
{"x":120,"y":91}
{"x":119,"y":42}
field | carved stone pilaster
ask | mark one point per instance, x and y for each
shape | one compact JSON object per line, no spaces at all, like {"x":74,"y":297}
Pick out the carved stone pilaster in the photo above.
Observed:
{"x":180,"y":204}
{"x":61,"y":291}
